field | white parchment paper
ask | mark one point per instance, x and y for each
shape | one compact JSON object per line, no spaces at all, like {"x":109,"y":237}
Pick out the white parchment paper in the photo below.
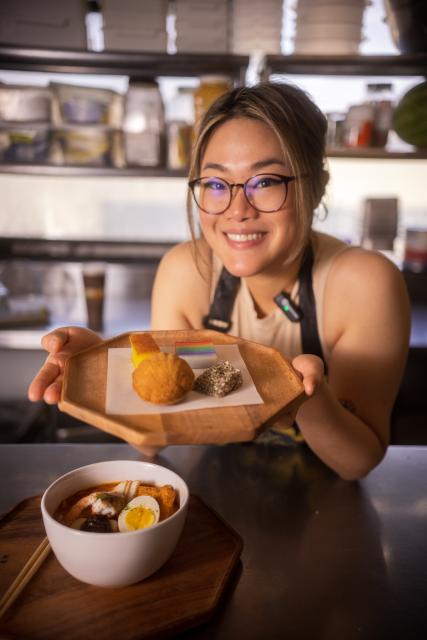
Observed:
{"x":122,"y":399}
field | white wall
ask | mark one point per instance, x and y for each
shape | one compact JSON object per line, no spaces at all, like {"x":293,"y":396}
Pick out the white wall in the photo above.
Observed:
{"x":153,"y":209}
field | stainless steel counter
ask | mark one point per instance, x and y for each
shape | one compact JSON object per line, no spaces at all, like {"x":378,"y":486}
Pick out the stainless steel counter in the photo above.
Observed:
{"x":322,"y":558}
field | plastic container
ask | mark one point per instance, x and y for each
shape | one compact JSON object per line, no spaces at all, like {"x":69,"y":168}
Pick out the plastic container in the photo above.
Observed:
{"x":358,"y":127}
{"x":211,"y":88}
{"x":89,"y":146}
{"x":29,"y":143}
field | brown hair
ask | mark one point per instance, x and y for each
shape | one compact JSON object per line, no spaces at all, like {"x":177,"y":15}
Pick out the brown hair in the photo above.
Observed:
{"x":300,"y":127}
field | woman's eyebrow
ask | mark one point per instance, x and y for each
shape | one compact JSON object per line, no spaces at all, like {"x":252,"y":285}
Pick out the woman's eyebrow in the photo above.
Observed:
{"x":214,"y":165}
{"x":261,"y":164}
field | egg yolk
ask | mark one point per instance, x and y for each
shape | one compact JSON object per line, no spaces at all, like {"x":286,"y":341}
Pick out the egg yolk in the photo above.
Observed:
{"x":139,"y":518}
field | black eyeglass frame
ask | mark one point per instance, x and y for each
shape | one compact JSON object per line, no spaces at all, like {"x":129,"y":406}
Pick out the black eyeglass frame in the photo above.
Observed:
{"x":285,"y":179}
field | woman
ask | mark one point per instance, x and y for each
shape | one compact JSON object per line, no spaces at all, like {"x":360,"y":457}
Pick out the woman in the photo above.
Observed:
{"x":257,"y":176}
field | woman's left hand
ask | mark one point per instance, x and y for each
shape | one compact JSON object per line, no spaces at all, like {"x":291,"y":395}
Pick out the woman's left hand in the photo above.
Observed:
{"x":311,"y":370}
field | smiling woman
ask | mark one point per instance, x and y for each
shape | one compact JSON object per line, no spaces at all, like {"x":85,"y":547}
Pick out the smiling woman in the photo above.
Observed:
{"x":248,"y":237}
{"x":258,"y":270}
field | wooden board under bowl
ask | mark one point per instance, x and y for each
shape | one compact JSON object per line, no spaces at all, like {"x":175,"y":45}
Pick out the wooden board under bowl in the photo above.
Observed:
{"x":84,"y":395}
{"x":185,"y":592}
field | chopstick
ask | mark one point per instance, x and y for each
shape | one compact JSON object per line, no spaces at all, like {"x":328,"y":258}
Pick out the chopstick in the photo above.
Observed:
{"x":24,"y":576}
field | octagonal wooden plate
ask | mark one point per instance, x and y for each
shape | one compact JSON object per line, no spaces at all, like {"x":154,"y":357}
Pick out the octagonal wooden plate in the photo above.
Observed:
{"x":84,"y":392}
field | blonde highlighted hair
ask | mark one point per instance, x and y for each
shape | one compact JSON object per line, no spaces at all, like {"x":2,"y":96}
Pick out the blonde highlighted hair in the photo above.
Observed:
{"x":300,"y":128}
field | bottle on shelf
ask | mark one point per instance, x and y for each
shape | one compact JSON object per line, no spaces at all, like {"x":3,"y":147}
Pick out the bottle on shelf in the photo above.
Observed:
{"x":94,"y":27}
{"x":381,"y":97}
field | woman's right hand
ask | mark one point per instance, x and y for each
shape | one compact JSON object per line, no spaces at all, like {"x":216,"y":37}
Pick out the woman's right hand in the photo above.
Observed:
{"x":60,"y":344}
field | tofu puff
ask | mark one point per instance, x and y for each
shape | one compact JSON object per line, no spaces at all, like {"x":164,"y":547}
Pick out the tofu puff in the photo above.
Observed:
{"x":165,"y":495}
{"x":164,"y":378}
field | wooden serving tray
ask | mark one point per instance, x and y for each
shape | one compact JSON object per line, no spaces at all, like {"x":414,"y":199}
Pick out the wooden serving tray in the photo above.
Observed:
{"x":84,"y":391}
{"x":183,"y":593}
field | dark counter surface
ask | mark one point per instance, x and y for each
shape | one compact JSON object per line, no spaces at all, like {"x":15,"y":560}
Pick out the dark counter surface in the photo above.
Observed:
{"x":322,"y":558}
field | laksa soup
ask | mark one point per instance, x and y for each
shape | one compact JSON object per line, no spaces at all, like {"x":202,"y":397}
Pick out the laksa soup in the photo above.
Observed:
{"x":118,"y":507}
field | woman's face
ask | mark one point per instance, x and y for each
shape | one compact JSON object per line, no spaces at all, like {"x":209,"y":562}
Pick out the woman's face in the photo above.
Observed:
{"x":247,"y":241}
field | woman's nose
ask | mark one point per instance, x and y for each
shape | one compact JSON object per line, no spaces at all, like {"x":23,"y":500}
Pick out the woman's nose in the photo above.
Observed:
{"x":240,"y":208}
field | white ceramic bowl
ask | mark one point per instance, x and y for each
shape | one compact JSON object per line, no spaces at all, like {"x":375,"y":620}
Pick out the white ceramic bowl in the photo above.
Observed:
{"x":113,"y":559}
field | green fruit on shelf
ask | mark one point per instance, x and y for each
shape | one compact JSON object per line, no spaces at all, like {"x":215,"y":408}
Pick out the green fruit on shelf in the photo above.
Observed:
{"x":410,"y":116}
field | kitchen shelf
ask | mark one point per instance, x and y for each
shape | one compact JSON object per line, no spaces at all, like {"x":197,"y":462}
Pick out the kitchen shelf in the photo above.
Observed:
{"x":18,"y":248}
{"x":89,"y":171}
{"x":152,"y":65}
{"x":346,"y":65}
{"x":136,"y":65}
{"x":161,"y":172}
{"x":377,"y":154}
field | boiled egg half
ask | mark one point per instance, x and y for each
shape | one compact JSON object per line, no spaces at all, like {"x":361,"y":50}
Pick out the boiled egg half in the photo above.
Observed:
{"x":139,"y":513}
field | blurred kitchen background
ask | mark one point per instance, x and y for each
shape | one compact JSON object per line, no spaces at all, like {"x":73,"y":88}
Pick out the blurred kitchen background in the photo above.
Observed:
{"x":97,"y":105}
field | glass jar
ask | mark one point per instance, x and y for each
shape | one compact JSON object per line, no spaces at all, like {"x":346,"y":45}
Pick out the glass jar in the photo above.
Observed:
{"x":380,"y":96}
{"x":143,"y":124}
{"x":335,"y":132}
{"x":179,"y":128}
{"x":211,"y":88}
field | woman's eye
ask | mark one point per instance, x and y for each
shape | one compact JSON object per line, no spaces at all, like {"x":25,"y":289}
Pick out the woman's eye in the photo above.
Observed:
{"x":215,"y":185}
{"x":265,"y":181}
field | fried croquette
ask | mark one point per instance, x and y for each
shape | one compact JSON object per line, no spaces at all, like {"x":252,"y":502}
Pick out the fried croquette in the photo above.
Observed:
{"x":164,"y":378}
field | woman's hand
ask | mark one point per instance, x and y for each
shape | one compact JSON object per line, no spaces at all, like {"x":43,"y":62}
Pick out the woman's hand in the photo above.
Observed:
{"x":311,"y":370}
{"x":60,"y":344}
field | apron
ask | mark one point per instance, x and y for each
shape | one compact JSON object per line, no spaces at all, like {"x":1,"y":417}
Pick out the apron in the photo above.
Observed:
{"x":219,"y":319}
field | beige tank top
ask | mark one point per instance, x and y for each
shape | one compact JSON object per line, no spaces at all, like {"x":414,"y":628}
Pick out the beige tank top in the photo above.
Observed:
{"x":275,"y":329}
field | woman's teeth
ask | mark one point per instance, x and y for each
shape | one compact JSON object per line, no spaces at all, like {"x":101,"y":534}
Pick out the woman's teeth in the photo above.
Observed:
{"x":243,"y":237}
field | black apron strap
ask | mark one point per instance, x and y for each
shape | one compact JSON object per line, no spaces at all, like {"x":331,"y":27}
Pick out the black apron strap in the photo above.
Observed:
{"x":310,"y":338}
{"x":219,"y":316}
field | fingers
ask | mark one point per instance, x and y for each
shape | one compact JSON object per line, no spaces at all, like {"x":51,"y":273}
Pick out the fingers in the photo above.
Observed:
{"x":55,"y":341}
{"x":60,"y":344}
{"x":47,"y":383}
{"x":52,"y":395}
{"x":311,"y":370}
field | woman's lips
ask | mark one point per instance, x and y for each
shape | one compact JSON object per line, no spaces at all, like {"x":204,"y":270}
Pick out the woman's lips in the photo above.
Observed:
{"x":244,"y":240}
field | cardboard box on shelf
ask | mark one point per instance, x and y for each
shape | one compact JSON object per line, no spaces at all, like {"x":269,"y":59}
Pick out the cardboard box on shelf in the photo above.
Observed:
{"x":135,"y":40}
{"x":128,"y":12}
{"x":45,"y":23}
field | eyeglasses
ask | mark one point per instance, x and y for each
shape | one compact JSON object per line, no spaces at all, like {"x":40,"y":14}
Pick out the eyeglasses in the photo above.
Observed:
{"x":266,"y":192}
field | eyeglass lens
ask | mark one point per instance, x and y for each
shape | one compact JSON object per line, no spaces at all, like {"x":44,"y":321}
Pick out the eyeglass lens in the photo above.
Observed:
{"x":266,"y":193}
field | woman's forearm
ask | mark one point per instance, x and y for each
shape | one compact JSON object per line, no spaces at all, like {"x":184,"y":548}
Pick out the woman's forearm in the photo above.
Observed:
{"x":342,"y":440}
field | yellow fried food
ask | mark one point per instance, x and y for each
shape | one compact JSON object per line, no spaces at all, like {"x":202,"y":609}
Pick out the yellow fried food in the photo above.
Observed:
{"x":143,"y":347}
{"x":164,"y":378}
{"x":166,"y":496}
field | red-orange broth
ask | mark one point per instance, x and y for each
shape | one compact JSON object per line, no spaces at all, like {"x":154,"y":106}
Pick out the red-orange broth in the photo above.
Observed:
{"x":102,"y":508}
